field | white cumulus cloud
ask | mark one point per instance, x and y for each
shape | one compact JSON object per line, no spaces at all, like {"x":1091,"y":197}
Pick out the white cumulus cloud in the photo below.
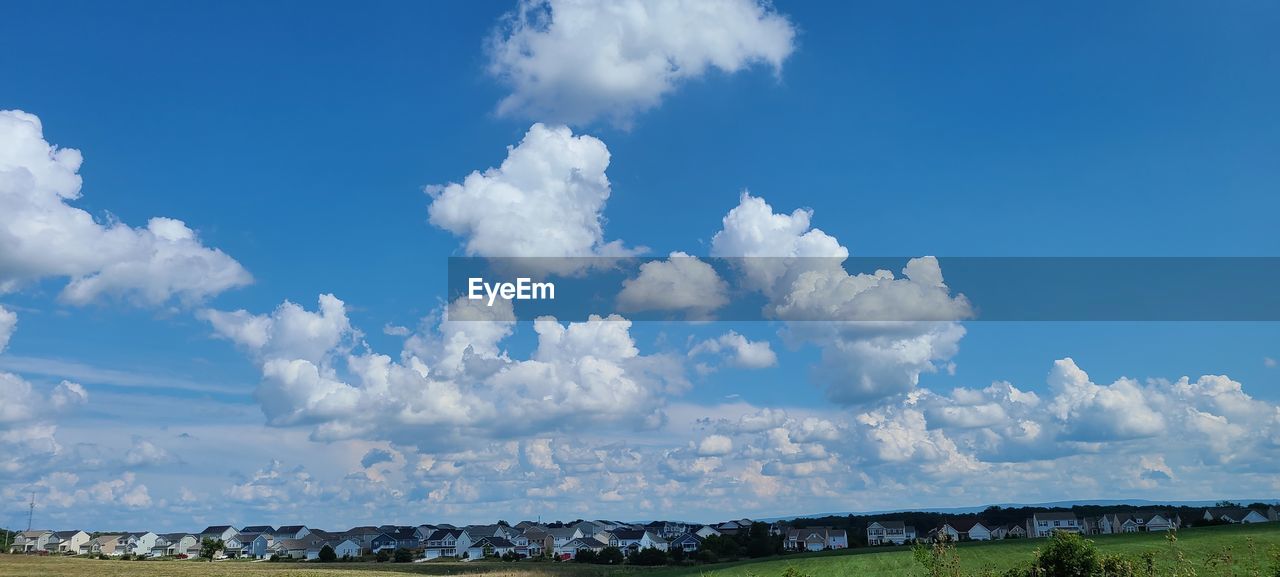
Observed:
{"x":42,"y":235}
{"x":574,"y":61}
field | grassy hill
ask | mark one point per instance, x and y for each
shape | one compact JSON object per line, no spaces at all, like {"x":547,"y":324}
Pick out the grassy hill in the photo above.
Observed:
{"x":1196,"y":544}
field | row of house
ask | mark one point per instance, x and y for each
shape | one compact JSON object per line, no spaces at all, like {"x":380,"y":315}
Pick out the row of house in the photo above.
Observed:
{"x":526,"y":539}
{"x":532,"y":539}
{"x":1046,"y":523}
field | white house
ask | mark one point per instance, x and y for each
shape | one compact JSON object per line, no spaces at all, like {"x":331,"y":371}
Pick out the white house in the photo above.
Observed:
{"x":292,"y":532}
{"x":966,"y":530}
{"x":896,"y":532}
{"x":290,"y":548}
{"x":570,"y":549}
{"x":496,"y":546}
{"x":1044,"y":524}
{"x":1234,"y":515}
{"x":447,"y":543}
{"x":137,"y":543}
{"x":67,"y":542}
{"x":344,"y":549}
{"x":174,"y":544}
{"x":637,"y":539}
{"x":816,"y":539}
{"x":31,"y":541}
{"x":216,"y":532}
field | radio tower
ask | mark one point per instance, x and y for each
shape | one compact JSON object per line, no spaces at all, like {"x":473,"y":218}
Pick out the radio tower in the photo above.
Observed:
{"x":31,"y":511}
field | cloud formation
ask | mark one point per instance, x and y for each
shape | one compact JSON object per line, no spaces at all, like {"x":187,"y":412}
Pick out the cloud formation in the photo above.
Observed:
{"x":449,"y":385}
{"x":544,"y":200}
{"x":575,"y":61}
{"x":42,"y":235}
{"x":800,"y":269}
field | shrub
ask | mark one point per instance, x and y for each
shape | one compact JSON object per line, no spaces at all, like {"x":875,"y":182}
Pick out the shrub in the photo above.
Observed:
{"x":585,"y":556}
{"x":403,"y":555}
{"x":327,"y":555}
{"x":610,"y":556}
{"x":1068,"y":555}
{"x":649,"y":556}
{"x":383,"y":556}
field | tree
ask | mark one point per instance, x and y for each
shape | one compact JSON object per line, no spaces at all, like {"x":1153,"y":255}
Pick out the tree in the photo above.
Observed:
{"x":382,"y":557}
{"x":327,"y":555}
{"x":585,"y":556}
{"x":1068,"y":555}
{"x":1225,"y":503}
{"x":403,"y":555}
{"x":209,"y":548}
{"x":760,"y":543}
{"x":649,"y":556}
{"x":610,"y":556}
{"x":677,"y":554}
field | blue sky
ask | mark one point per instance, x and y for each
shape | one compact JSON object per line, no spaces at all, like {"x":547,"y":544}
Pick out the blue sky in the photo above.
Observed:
{"x":298,"y":139}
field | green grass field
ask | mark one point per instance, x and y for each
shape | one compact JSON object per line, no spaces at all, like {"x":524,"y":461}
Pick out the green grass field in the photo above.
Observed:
{"x":1195,"y":544}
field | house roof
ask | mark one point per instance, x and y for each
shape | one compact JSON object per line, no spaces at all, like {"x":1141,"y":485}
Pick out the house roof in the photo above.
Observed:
{"x":686,"y":537}
{"x":290,"y":528}
{"x":216,"y":529}
{"x":290,"y":544}
{"x":562,"y":532}
{"x":1056,"y":516}
{"x":496,"y":542}
{"x":891,"y":524}
{"x":629,"y":534}
{"x":66,"y":534}
{"x":258,"y":529}
{"x":963,"y":525}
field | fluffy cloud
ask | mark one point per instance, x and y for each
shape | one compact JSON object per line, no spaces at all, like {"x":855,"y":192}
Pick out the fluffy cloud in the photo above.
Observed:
{"x":715,"y":446}
{"x":27,"y":436}
{"x":580,"y":373}
{"x":877,"y":332}
{"x":738,"y":351}
{"x":681,"y":283}
{"x":8,"y":322}
{"x":574,"y":61}
{"x":544,"y":200}
{"x":42,"y":235}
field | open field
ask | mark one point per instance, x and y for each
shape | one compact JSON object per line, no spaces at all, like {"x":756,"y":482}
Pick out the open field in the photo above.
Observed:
{"x":1196,"y":544}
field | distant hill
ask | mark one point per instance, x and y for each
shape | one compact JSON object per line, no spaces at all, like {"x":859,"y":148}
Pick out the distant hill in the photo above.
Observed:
{"x":1064,"y":504}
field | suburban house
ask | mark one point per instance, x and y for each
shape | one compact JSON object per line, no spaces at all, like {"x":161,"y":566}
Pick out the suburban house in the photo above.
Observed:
{"x":104,"y":545}
{"x":966,"y":530}
{"x":667,"y":529}
{"x":1044,"y":524}
{"x":896,"y":532}
{"x":637,"y":539}
{"x":1234,"y":515}
{"x":174,"y":544}
{"x":363,"y":536}
{"x":291,"y":532}
{"x":490,"y":546}
{"x":31,"y":541}
{"x":689,"y":542}
{"x":816,"y":539}
{"x":570,"y":549}
{"x":447,"y":543}
{"x":706,"y":531}
{"x":137,"y":543}
{"x":344,"y":549}
{"x":67,"y":542}
{"x":1141,"y":521}
{"x":290,"y":548}
{"x":1012,"y":531}
{"x":216,"y":532}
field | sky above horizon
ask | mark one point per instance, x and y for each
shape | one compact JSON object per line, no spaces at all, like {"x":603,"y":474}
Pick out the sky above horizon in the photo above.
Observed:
{"x":224,"y":233}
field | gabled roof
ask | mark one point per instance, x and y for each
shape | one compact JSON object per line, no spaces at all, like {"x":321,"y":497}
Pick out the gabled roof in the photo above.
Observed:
{"x":290,"y":544}
{"x":216,"y":529}
{"x":964,"y":525}
{"x":1055,"y":516}
{"x":442,"y":534}
{"x":562,"y":532}
{"x":495,"y":542}
{"x":290,"y":528}
{"x":67,"y":534}
{"x":891,"y":524}
{"x":258,"y":529}
{"x":629,"y":534}
{"x":687,"y":537}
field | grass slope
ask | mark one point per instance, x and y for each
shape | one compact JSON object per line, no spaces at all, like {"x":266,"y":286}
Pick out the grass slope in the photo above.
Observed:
{"x":1196,"y":544}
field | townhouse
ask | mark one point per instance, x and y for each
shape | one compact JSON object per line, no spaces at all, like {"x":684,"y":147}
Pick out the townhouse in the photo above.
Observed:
{"x":895,"y":532}
{"x":816,"y":539}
